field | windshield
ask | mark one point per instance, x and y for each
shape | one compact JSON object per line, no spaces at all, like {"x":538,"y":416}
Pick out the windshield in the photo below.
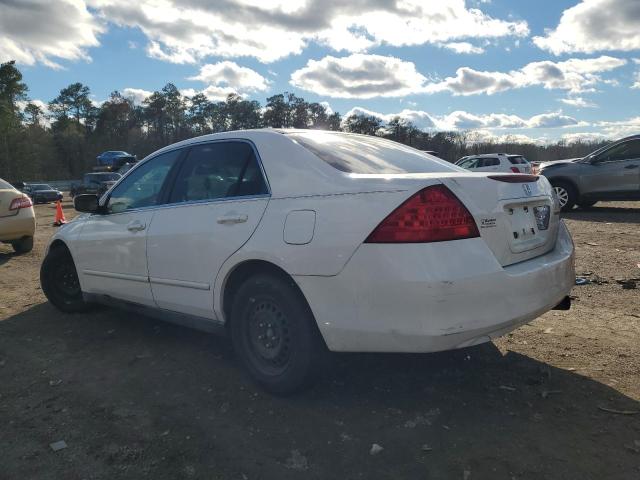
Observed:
{"x":371,"y":155}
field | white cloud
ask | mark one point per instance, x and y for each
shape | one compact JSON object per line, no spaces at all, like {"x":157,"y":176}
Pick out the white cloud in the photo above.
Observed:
{"x":621,"y":128}
{"x":327,"y":108}
{"x":463,"y":47}
{"x":359,"y":76}
{"x":233,"y":76}
{"x":136,"y":94}
{"x":578,"y":102}
{"x":42,"y":31}
{"x":553,"y":120}
{"x":595,"y":25}
{"x":187,"y":31}
{"x":575,"y":75}
{"x":583,"y":137}
{"x":484,"y":136}
{"x":420,"y":119}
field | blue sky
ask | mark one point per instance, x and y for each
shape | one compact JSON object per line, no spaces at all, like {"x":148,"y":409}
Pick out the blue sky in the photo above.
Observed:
{"x":544,"y":70}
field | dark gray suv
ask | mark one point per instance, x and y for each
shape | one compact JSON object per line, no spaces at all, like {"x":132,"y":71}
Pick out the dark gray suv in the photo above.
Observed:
{"x":610,"y":173}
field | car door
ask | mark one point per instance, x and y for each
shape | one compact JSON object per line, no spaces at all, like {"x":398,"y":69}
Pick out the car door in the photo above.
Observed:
{"x":111,"y":251}
{"x":218,"y":198}
{"x":615,"y":172}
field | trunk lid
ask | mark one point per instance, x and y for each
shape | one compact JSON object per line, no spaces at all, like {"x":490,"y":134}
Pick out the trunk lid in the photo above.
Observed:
{"x":504,"y":211}
{"x":517,"y":219}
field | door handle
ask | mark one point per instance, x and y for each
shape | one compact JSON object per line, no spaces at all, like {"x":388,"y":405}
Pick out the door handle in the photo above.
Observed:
{"x":628,"y":167}
{"x":136,"y":226}
{"x":232,"y":219}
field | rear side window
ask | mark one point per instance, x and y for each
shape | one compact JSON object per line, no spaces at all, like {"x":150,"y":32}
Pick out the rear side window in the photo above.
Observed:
{"x":352,"y":153}
{"x":488,"y":162}
{"x":518,"y":160}
{"x":218,"y":170}
{"x":5,"y":185}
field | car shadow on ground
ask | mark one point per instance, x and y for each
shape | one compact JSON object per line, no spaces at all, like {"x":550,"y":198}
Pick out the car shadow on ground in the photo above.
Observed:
{"x":605,"y":214}
{"x":6,"y":256}
{"x":132,"y":396}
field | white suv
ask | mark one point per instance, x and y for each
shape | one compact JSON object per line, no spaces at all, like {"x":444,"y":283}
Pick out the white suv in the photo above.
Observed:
{"x":495,"y":162}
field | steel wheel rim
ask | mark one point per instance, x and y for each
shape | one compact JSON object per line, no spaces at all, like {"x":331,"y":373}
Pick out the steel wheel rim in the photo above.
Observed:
{"x":562,"y":194}
{"x":269,"y":337}
{"x":66,"y":281}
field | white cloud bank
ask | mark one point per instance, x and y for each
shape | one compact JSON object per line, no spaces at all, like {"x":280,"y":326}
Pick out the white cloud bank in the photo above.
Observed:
{"x":186,"y":31}
{"x":368,"y":76}
{"x":461,"y":120}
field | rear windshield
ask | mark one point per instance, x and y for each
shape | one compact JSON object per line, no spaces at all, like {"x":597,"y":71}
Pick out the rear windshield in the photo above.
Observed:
{"x":518,"y":160}
{"x":5,"y":185}
{"x":371,"y":155}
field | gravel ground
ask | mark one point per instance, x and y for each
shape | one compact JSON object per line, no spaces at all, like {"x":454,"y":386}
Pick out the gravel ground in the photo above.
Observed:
{"x":132,"y":397}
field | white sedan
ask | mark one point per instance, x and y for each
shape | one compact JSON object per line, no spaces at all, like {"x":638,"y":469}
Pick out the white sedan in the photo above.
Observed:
{"x":295,"y":241}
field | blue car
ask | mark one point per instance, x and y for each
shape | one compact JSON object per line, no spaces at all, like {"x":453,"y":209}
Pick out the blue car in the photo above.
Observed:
{"x":114,"y":159}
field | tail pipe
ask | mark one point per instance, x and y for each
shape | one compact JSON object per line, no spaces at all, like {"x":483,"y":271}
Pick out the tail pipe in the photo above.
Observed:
{"x":565,"y":304}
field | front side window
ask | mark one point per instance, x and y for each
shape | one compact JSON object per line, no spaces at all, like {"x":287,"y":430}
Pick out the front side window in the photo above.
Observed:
{"x":218,"y":170}
{"x":468,"y":163}
{"x":624,"y":151}
{"x":142,"y":187}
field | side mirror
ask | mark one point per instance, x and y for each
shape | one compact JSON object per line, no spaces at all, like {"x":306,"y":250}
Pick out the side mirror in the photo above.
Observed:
{"x":86,"y":203}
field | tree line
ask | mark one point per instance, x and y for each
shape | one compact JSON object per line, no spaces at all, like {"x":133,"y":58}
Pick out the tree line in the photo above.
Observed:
{"x":63,"y":142}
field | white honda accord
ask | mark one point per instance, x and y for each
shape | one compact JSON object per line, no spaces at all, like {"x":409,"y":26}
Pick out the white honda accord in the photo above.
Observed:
{"x":295,"y":241}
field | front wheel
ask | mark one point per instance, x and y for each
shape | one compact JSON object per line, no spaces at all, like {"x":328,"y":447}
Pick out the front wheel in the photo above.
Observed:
{"x":275,"y":335}
{"x":59,"y":281}
{"x":566,"y":194}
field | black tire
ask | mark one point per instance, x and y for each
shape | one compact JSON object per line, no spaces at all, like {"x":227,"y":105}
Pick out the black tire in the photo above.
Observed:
{"x":24,"y":245}
{"x":566,"y":193}
{"x":588,"y":204}
{"x":59,"y":281}
{"x":275,"y":335}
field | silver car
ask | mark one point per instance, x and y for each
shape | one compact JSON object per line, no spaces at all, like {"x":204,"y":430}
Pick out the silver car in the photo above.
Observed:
{"x":610,"y":173}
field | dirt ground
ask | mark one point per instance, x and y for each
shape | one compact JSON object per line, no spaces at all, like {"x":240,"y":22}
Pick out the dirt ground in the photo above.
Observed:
{"x":136,"y":398}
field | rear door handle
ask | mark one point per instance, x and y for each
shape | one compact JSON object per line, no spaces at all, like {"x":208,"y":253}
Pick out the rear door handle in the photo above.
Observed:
{"x":631,"y":166}
{"x":232,"y":219}
{"x":136,"y":226}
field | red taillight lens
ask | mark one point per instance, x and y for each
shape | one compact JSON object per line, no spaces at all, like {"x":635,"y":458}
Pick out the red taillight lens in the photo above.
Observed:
{"x":20,"y":202}
{"x":515,"y":169}
{"x":434,"y":214}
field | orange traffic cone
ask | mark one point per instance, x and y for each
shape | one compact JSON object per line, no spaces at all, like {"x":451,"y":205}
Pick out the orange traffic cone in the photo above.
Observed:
{"x":59,"y":220}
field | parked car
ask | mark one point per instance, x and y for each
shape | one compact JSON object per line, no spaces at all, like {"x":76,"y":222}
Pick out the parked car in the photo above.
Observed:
{"x":17,"y":218}
{"x":495,"y":162}
{"x":297,"y":240}
{"x":610,"y":173}
{"x":97,"y":183}
{"x":42,"y":193}
{"x":114,"y":159}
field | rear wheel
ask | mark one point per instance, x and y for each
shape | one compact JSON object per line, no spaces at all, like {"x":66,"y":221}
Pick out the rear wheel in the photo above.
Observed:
{"x":275,"y":335}
{"x":566,"y":194}
{"x":59,"y":281}
{"x":589,"y":204}
{"x":24,"y":245}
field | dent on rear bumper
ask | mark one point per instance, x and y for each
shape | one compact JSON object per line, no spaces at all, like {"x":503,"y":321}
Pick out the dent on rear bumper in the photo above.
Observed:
{"x":430,"y":297}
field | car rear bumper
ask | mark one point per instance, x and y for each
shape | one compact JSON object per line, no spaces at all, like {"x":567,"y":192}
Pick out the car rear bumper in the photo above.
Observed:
{"x":431,"y":297}
{"x":21,"y":225}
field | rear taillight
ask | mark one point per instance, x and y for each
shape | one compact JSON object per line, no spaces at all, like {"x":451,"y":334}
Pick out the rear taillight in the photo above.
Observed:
{"x":20,"y":202}
{"x":434,"y":214}
{"x":515,"y":169}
